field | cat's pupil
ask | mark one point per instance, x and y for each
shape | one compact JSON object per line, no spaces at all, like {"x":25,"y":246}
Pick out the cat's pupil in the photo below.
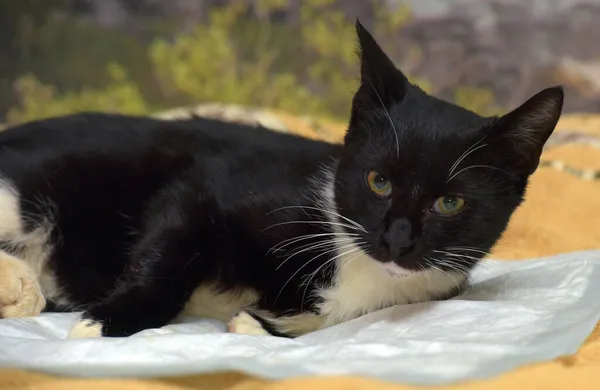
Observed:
{"x":450,"y":202}
{"x":381,"y":180}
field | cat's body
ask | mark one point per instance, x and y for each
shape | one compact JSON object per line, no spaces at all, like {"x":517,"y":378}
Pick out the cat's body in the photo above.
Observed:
{"x":138,"y":220}
{"x":92,"y":189}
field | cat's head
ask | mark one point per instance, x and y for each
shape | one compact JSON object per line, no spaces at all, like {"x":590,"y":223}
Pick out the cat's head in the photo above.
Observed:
{"x":431,"y":183}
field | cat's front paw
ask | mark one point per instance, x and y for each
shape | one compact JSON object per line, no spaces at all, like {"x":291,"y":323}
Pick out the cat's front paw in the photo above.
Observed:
{"x":85,"y":328}
{"x":20,"y":292}
{"x":244,"y":323}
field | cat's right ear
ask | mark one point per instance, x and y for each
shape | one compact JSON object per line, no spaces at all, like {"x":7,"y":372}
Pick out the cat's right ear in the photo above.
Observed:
{"x":525,"y":130}
{"x":381,"y":83}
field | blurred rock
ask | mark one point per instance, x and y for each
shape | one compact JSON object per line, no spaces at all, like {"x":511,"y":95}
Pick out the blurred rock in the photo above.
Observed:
{"x":513,"y":47}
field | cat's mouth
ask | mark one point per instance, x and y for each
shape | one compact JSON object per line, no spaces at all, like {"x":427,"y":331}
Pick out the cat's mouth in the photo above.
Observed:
{"x":396,"y":271}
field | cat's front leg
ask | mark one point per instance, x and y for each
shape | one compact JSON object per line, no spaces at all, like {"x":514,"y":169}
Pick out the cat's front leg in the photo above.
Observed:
{"x":20,"y":293}
{"x":147,"y":298}
{"x":126,"y":312}
{"x":165,"y":268}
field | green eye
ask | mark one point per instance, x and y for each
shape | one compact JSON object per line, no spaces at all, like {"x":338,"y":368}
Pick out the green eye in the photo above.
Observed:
{"x":449,"y":205}
{"x":379,"y":184}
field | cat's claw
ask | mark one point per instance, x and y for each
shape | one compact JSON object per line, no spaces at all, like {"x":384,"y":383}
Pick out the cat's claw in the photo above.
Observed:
{"x":20,"y":292}
{"x":244,"y":323}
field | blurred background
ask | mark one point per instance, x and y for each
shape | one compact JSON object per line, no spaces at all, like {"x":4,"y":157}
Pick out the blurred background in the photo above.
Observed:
{"x":295,"y":56}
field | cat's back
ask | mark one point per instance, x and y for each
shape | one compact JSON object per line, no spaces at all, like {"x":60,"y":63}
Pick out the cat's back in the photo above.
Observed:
{"x":106,"y":162}
{"x":123,"y":137}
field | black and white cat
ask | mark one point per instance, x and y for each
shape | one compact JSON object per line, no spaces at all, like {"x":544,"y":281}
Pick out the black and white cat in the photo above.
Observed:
{"x":136,"y":221}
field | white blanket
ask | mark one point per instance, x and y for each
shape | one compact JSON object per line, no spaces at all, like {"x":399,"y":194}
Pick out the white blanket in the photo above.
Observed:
{"x":514,"y":313}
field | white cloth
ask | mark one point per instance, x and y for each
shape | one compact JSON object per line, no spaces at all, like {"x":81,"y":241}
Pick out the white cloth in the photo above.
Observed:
{"x":514,"y":313}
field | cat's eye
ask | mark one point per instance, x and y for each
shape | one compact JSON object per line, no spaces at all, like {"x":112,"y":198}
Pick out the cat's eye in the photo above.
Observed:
{"x":379,"y":183}
{"x":449,"y":205}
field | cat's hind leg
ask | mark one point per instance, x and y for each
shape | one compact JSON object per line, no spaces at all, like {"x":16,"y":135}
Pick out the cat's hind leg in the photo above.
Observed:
{"x":20,"y":292}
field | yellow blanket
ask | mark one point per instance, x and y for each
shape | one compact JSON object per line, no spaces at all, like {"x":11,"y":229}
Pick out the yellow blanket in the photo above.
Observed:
{"x":561,"y":214}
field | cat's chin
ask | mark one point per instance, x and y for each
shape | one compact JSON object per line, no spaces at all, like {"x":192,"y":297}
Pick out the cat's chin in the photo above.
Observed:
{"x":396,"y":271}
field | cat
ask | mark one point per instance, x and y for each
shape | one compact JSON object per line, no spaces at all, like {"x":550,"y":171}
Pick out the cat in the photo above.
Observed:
{"x":138,"y":221}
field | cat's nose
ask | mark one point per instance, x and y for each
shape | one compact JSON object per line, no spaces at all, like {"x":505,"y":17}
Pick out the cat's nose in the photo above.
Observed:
{"x":399,"y":238}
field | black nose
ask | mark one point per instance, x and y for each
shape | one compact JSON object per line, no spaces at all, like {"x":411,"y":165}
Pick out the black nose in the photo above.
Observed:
{"x":399,"y":238}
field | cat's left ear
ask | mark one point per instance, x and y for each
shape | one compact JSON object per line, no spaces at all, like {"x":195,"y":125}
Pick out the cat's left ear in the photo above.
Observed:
{"x":381,"y":82}
{"x":527,"y":128}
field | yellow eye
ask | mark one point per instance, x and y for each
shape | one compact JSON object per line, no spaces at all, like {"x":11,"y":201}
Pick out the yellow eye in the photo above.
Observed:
{"x":449,"y":205}
{"x":379,"y":184}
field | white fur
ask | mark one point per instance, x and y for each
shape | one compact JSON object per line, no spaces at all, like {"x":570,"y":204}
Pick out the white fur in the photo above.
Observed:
{"x":362,"y":285}
{"x":244,"y":323}
{"x":208,"y":301}
{"x":85,"y":329}
{"x":28,"y":263}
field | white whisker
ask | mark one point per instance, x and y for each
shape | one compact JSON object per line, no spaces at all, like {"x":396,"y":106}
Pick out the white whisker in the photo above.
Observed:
{"x":315,"y":246}
{"x":294,"y":240}
{"x":477,"y":166}
{"x":354,"y":223}
{"x":467,"y":248}
{"x":454,"y":266}
{"x":310,"y":261}
{"x":313,"y":274}
{"x":442,"y":263}
{"x":390,"y":119}
{"x":313,"y":222}
{"x":467,"y":152}
{"x":457,"y":255}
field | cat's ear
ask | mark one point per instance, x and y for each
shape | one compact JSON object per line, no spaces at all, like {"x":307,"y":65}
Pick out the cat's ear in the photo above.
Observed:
{"x":381,"y":83}
{"x":527,"y":128}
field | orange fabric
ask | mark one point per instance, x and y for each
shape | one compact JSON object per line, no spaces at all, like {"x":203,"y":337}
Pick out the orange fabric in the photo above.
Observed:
{"x":561,"y":214}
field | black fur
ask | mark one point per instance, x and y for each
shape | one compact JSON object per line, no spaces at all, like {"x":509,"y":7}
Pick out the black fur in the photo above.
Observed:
{"x":143,"y":211}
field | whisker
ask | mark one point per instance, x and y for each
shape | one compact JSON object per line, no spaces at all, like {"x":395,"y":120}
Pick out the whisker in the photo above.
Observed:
{"x":465,"y":155}
{"x":354,"y":223}
{"x":313,"y":274}
{"x":468,"y":248}
{"x":312,"y":222}
{"x":308,"y":262}
{"x":389,"y":117}
{"x":441,"y":262}
{"x":458,"y":255}
{"x":477,"y":166}
{"x":454,"y":266}
{"x":315,"y":246}
{"x":293,"y":240}
{"x":429,"y":263}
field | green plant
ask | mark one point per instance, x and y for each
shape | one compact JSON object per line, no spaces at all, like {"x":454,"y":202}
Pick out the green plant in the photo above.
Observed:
{"x":306,"y":69}
{"x":479,"y":100}
{"x":42,"y":101}
{"x":206,"y":66}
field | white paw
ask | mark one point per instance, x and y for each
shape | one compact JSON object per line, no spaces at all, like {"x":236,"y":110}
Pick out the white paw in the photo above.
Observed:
{"x":85,"y":329}
{"x":244,"y":323}
{"x":20,"y":292}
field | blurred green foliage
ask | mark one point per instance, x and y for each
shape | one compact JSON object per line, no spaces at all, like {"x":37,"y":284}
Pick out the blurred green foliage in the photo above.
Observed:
{"x":308,"y":70}
{"x":120,"y":95}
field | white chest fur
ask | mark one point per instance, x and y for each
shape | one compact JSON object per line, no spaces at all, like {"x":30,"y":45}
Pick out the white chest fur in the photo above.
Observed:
{"x":362,"y":285}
